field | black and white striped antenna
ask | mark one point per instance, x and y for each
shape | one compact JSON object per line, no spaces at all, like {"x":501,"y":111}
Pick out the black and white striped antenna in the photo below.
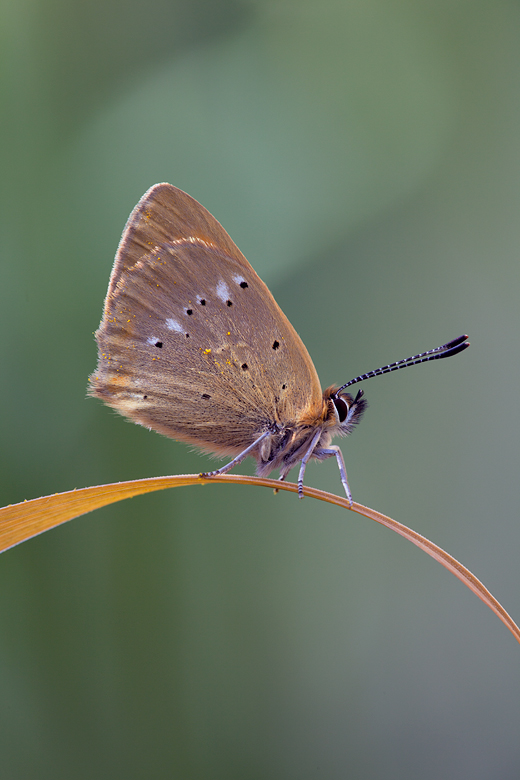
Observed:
{"x":447,"y":350}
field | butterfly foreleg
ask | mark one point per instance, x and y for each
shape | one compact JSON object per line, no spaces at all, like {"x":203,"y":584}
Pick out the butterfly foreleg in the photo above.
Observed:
{"x":329,"y":452}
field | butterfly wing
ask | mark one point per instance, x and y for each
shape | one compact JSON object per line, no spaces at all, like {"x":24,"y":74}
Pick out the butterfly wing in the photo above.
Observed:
{"x":192,"y":343}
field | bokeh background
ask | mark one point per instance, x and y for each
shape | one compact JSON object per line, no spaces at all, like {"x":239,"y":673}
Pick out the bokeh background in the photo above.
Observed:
{"x":365,"y":156}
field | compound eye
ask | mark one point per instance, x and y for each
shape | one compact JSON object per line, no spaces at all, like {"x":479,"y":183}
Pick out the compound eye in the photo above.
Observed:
{"x":341,"y":408}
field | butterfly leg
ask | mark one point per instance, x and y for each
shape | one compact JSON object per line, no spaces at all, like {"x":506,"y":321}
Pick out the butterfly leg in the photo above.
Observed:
{"x":321,"y":454}
{"x":239,"y":458}
{"x":281,"y":478}
{"x":305,"y":460}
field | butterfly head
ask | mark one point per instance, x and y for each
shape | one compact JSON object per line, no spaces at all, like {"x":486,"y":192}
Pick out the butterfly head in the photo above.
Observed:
{"x":344,"y":410}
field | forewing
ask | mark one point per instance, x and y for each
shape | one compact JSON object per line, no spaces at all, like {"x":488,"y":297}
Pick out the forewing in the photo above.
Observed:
{"x":192,"y":343}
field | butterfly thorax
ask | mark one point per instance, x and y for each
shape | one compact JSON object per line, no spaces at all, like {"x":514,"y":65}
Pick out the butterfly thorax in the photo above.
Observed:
{"x":289,"y":443}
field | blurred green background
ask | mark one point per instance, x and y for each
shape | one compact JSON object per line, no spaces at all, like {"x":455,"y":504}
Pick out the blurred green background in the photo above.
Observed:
{"x":365,"y":156}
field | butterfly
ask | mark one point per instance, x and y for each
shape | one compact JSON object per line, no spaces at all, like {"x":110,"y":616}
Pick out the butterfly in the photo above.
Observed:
{"x":193,"y":345}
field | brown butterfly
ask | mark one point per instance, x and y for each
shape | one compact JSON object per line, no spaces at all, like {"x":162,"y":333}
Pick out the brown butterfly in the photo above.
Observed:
{"x":193,"y":345}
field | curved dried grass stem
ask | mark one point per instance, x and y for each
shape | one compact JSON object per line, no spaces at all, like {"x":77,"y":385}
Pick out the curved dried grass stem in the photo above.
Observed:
{"x":19,"y":522}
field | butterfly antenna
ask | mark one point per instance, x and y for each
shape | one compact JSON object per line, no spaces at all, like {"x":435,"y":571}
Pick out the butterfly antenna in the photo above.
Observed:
{"x":447,"y":350}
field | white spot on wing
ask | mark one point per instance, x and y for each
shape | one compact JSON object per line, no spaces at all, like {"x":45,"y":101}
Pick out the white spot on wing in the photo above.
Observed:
{"x":238,"y":279}
{"x":222,"y":291}
{"x":174,"y":325}
{"x":192,"y":240}
{"x":152,"y":340}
